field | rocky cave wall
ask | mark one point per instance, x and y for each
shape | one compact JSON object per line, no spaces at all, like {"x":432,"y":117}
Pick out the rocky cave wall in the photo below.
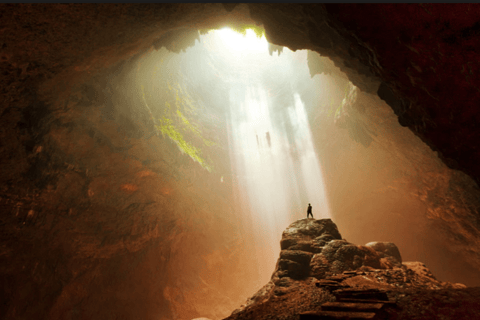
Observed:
{"x":116,"y":221}
{"x":82,"y":236}
{"x":103,"y":216}
{"x":399,"y":190}
{"x":444,"y":35}
{"x":320,"y":275}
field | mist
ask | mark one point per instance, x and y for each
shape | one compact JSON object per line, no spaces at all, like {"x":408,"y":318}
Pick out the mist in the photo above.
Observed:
{"x":270,"y":137}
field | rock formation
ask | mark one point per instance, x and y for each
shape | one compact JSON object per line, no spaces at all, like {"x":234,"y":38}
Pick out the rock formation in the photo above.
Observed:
{"x":316,"y":265}
{"x":315,"y":248}
{"x":103,"y":217}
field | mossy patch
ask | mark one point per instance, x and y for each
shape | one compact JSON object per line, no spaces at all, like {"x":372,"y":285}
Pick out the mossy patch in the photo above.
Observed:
{"x":173,"y":111}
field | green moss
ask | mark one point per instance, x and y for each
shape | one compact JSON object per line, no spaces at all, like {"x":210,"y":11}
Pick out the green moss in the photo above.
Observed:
{"x":187,"y":123}
{"x":175,"y":112}
{"x":259,"y":31}
{"x":175,"y":124}
{"x":166,"y":127}
{"x":336,"y":110}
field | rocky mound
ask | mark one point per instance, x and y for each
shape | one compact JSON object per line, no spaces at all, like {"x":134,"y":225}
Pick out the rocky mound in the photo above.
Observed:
{"x":315,"y":248}
{"x":316,"y":265}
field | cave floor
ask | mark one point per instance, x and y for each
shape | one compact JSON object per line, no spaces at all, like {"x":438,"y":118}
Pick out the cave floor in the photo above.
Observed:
{"x":411,"y":304}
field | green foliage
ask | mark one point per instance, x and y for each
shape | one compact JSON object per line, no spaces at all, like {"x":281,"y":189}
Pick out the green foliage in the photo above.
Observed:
{"x":166,"y":127}
{"x":335,"y":110}
{"x":173,"y":111}
{"x":259,"y":31}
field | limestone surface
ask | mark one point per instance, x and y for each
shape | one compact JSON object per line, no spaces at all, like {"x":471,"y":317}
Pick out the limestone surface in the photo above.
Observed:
{"x":322,"y":265}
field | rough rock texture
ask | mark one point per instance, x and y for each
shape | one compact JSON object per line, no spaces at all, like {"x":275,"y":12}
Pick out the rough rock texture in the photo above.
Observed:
{"x":429,"y":64}
{"x":323,"y":252}
{"x":102,"y":217}
{"x":427,"y":48}
{"x":342,"y":266}
{"x":405,"y":188}
{"x":93,"y":226}
{"x":315,"y":248}
{"x":386,"y":250}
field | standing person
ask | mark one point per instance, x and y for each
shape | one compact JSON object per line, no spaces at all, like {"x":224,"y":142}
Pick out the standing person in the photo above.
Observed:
{"x":309,"y":210}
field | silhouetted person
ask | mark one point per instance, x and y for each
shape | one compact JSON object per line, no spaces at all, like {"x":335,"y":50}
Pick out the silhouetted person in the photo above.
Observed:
{"x":309,"y":210}
{"x":268,"y":139}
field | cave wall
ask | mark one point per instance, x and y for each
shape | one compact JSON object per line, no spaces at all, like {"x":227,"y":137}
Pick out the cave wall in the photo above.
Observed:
{"x":117,"y":221}
{"x":428,"y":77}
{"x":103,"y":217}
{"x":423,"y":83}
{"x":398,"y":189}
{"x":79,"y":230}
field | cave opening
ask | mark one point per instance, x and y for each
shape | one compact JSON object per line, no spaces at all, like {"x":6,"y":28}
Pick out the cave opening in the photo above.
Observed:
{"x":232,"y":82}
{"x":118,"y":208}
{"x":182,"y":146}
{"x":230,"y":111}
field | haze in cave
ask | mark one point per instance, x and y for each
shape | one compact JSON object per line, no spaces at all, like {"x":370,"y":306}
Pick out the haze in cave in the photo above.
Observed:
{"x":150,"y":164}
{"x":275,"y":164}
{"x":275,"y":168}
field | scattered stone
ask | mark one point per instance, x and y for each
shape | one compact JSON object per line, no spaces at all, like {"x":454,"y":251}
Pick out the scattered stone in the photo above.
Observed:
{"x":352,"y":306}
{"x":352,"y":293}
{"x":330,"y":315}
{"x":360,"y":278}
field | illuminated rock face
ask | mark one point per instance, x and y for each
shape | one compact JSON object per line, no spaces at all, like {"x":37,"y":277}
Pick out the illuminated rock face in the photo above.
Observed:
{"x":419,"y":91}
{"x":315,"y":248}
{"x":102,"y":218}
{"x":315,"y":264}
{"x":115,"y":212}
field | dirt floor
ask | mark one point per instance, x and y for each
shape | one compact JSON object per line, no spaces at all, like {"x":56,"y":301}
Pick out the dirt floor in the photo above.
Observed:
{"x":414,"y":299}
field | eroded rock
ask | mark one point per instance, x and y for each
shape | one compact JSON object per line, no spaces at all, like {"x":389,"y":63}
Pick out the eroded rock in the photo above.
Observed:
{"x":303,"y":281}
{"x":315,"y":248}
{"x":386,"y":249}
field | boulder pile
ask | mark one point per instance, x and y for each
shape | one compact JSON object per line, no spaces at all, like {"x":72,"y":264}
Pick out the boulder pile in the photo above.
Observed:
{"x":315,"y":248}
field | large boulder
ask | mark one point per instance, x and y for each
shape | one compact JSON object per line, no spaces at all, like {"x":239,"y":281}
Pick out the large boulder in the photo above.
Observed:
{"x":315,"y":248}
{"x":303,"y":280}
{"x":294,"y":263}
{"x":386,"y":250}
{"x":305,"y":230}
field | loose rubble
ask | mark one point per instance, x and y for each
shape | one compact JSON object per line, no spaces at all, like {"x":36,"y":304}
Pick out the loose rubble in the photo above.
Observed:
{"x":317,"y":267}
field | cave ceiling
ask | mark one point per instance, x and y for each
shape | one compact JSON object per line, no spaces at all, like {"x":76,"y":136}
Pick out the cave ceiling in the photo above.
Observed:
{"x":424,"y":54}
{"x":69,"y":223}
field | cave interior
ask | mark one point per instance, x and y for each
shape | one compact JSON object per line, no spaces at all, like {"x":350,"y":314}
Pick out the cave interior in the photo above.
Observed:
{"x":149,"y":169}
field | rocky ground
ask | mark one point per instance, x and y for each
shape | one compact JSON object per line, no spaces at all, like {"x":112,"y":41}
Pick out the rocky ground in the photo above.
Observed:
{"x":95,"y":220}
{"x":316,"y":266}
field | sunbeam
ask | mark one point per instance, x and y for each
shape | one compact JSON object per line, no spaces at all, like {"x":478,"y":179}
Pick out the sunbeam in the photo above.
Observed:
{"x":273,"y":157}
